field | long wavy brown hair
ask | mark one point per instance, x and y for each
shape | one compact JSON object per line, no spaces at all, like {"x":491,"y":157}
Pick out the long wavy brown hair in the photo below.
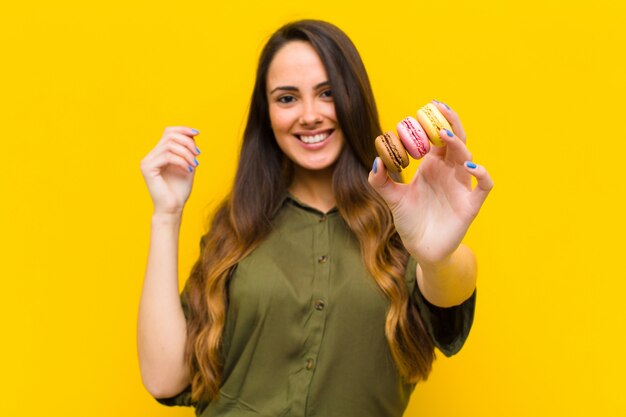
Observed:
{"x":244,"y":219}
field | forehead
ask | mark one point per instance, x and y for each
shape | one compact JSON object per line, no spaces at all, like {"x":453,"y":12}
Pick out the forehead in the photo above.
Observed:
{"x":296,"y":64}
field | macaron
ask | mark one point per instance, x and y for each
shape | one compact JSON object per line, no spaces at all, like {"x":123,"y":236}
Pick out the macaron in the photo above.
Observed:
{"x":433,"y":121}
{"x":413,"y":137}
{"x":391,"y":151}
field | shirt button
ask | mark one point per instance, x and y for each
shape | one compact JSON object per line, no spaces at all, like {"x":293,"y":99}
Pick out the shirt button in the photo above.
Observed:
{"x":319,"y":305}
{"x":309,"y":364}
{"x":322,"y":218}
{"x":322,"y":259}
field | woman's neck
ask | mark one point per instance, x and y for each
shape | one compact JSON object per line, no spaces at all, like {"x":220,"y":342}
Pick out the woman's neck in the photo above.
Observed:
{"x":314,"y":188}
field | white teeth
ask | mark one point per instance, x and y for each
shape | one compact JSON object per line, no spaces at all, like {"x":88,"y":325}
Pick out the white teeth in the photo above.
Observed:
{"x":314,"y":139}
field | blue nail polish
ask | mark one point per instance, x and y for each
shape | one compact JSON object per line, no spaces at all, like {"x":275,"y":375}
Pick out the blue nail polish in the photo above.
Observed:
{"x":196,"y":161}
{"x":436,"y":101}
{"x":190,"y":168}
{"x":447,"y":107}
{"x":374,"y":168}
{"x":449,"y":133}
{"x":470,"y":165}
{"x":197,"y":150}
{"x":195,"y":131}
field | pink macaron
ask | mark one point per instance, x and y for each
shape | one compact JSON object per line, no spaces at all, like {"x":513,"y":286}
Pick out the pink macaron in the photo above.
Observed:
{"x":413,"y":137}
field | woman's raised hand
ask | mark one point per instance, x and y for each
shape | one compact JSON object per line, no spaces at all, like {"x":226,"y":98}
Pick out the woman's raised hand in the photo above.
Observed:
{"x":434,"y":211}
{"x":169,"y":169}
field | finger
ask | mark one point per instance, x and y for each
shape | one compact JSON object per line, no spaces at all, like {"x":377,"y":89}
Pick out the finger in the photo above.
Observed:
{"x":452,"y":118}
{"x":179,"y":150}
{"x":484,"y":184}
{"x":167,"y":159}
{"x":184,"y":130}
{"x":186,"y":141}
{"x":386,"y":187}
{"x":439,"y":151}
{"x":456,"y":150}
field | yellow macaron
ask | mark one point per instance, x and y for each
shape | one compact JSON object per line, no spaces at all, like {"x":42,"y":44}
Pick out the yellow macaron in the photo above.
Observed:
{"x":433,"y":121}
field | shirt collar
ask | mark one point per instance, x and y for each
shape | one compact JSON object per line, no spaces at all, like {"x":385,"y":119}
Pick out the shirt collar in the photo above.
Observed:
{"x":293,"y":200}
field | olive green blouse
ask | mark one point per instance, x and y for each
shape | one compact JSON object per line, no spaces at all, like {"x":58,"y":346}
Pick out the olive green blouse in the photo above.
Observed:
{"x":304,"y":332}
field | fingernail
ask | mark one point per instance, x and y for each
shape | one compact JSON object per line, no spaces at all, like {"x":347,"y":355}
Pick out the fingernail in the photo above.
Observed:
{"x":447,"y":107}
{"x":196,"y":161}
{"x":470,"y":165}
{"x":195,"y":131}
{"x":197,"y":150}
{"x":190,"y":168}
{"x":436,"y":101}
{"x":374,"y":168}
{"x":449,"y":133}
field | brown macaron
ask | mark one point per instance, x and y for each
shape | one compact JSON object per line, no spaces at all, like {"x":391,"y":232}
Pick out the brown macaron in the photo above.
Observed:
{"x":391,"y":151}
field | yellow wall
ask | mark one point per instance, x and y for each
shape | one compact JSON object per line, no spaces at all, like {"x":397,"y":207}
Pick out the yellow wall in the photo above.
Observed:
{"x":87,"y":90}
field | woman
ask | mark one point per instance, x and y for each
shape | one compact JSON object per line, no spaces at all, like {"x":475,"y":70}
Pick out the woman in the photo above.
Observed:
{"x":323,"y":285}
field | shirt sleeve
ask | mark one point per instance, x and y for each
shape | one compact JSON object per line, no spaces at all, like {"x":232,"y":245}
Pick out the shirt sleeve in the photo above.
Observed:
{"x":448,"y":327}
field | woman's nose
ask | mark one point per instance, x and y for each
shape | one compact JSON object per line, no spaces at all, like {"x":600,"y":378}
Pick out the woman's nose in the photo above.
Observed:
{"x":310,"y":114}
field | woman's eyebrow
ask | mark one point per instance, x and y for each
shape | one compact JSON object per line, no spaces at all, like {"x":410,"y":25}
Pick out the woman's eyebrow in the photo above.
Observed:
{"x":291,"y":88}
{"x":285,"y":88}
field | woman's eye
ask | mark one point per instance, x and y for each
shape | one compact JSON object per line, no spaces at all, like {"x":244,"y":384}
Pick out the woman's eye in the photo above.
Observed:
{"x":327,"y":93}
{"x":286,"y":99}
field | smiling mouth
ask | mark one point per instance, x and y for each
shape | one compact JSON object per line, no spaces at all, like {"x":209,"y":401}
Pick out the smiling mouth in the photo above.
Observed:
{"x":314,"y":138}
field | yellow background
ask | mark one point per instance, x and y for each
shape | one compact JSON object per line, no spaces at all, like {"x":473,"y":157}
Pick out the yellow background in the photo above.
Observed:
{"x":88,"y":88}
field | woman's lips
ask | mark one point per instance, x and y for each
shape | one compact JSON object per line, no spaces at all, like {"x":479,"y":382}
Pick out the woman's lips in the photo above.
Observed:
{"x":316,"y":140}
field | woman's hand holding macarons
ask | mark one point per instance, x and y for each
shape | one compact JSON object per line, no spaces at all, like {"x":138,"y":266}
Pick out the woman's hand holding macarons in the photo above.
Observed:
{"x":434,"y":211}
{"x":169,"y":168}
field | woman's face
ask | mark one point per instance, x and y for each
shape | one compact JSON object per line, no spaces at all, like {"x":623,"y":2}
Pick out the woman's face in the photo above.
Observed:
{"x":301,"y":107}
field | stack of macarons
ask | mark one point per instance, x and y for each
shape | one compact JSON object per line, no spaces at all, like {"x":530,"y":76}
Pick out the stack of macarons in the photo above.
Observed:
{"x":414,"y":138}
